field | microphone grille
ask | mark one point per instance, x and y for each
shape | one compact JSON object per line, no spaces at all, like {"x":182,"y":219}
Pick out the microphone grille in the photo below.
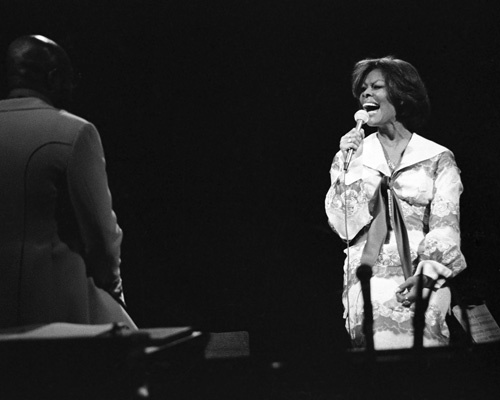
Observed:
{"x":361,"y":115}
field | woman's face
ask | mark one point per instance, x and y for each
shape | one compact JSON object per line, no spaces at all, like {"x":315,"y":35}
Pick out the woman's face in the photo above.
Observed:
{"x":374,"y":98}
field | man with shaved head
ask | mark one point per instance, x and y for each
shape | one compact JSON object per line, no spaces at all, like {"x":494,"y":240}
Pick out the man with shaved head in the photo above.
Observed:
{"x":59,"y":237}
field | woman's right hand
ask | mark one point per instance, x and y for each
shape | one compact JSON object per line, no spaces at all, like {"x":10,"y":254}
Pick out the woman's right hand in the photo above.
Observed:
{"x":351,"y":140}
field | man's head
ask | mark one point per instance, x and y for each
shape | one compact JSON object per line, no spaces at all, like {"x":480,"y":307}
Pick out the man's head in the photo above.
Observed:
{"x":38,"y":63}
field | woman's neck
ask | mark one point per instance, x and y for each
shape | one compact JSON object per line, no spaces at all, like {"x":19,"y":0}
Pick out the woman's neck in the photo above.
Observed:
{"x":393,"y":134}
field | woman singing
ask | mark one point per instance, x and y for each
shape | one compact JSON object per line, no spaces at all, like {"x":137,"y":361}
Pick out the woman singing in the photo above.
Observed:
{"x":397,"y":207}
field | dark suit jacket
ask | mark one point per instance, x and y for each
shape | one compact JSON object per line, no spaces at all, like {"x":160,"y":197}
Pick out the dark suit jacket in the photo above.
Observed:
{"x":57,"y":226}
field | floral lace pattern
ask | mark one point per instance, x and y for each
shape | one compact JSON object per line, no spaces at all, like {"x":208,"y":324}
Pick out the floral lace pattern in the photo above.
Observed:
{"x":399,"y":321}
{"x":428,"y":192}
{"x":349,"y":199}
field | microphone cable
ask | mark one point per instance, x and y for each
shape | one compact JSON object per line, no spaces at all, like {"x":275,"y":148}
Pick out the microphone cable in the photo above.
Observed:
{"x":348,"y":259}
{"x":361,"y":117}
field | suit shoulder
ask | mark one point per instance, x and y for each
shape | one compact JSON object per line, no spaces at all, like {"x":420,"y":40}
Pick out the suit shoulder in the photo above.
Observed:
{"x":74,"y":127}
{"x":72,"y":118}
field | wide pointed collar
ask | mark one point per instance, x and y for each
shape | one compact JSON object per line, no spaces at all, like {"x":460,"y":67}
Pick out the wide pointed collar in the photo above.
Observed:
{"x":418,"y":149}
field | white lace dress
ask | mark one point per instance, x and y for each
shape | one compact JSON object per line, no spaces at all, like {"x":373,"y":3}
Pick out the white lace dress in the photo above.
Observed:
{"x":428,"y":186}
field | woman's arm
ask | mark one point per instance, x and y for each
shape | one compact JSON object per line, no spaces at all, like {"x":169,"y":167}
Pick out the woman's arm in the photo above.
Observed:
{"x":441,"y":244}
{"x":347,"y":194}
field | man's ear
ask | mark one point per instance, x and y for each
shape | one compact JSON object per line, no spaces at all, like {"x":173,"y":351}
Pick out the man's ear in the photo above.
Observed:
{"x":53,"y":80}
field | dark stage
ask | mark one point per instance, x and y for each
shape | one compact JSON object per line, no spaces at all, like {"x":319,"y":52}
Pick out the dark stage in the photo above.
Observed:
{"x":220,"y":119}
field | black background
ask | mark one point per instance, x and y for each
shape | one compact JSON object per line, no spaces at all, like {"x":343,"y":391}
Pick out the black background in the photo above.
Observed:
{"x":219,"y":121}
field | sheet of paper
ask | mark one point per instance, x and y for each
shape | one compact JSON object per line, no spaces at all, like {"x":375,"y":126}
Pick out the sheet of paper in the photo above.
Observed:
{"x":484,"y":328}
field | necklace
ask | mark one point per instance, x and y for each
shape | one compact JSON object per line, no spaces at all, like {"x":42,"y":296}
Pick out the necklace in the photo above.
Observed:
{"x":393,"y":155}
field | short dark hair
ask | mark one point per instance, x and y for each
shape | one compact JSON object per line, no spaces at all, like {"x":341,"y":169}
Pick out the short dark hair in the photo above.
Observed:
{"x":38,"y":63}
{"x":406,"y":90}
{"x":30,"y":58}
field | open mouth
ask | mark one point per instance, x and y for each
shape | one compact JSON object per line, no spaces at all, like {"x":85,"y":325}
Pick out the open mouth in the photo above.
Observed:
{"x":371,"y":107}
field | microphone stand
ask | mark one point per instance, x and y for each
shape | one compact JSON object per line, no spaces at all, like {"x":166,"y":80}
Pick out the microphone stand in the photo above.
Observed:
{"x":468,"y":341}
{"x":364,"y":274}
{"x":419,"y":316}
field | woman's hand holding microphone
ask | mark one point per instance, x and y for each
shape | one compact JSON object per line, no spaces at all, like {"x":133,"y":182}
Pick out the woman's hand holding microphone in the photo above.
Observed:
{"x":350,"y":142}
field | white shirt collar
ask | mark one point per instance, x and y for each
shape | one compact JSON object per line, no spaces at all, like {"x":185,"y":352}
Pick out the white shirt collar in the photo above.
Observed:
{"x":418,"y":149}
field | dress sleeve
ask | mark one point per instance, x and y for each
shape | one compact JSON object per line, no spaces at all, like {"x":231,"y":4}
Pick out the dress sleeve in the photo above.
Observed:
{"x":347,"y":193}
{"x":91,"y":199}
{"x":442,"y":243}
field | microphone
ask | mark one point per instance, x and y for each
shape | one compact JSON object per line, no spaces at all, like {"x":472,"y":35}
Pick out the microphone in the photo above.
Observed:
{"x":361,"y":117}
